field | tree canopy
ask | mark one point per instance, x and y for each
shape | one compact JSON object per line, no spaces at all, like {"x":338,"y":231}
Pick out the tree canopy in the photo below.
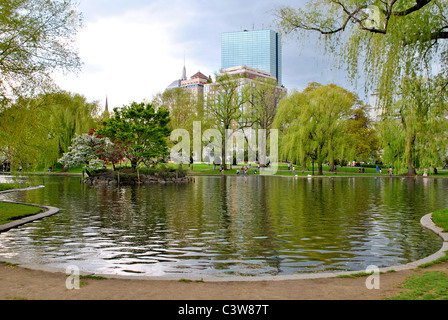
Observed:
{"x":400,"y":48}
{"x":140,"y":131}
{"x":314,"y":123}
{"x":36,"y":39}
{"x":35,"y":132}
{"x":382,"y":40}
{"x":86,"y":150}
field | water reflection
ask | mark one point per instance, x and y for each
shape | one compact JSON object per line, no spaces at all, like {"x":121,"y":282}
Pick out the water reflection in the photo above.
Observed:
{"x":230,"y":225}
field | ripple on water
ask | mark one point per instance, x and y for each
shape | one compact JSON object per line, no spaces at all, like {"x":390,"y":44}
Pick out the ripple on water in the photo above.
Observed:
{"x":220,"y":226}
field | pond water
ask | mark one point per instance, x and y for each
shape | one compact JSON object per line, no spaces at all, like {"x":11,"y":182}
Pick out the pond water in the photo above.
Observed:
{"x":221,"y":226}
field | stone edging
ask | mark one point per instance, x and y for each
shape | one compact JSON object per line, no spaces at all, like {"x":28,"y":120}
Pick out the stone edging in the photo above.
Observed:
{"x":49,"y":211}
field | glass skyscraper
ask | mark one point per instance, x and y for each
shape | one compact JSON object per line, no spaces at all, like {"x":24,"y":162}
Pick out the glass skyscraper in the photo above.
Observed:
{"x":261,"y":49}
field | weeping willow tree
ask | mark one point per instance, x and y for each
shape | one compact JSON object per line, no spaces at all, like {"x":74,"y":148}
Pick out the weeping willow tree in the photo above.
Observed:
{"x":23,"y":134}
{"x":416,"y":130}
{"x":35,"y":132}
{"x":312,"y":123}
{"x":385,"y":42}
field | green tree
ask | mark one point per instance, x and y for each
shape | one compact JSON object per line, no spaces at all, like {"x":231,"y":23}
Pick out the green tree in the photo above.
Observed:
{"x":312,"y":123}
{"x":225,"y":106}
{"x":86,"y":150}
{"x":140,"y":131}
{"x":264,"y":96}
{"x":36,"y":39}
{"x":360,"y":137}
{"x":23,"y":134}
{"x":185,"y":108}
{"x":386,"y":42}
{"x":68,"y":114}
{"x":415,"y":133}
{"x":35,"y":132}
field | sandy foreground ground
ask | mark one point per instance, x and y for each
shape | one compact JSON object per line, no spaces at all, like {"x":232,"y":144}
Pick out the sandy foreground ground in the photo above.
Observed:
{"x":20,"y":283}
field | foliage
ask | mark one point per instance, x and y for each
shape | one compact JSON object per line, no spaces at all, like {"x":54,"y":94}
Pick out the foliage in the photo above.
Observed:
{"x":23,"y":134}
{"x":35,"y":132}
{"x":393,"y":45}
{"x":385,"y":41}
{"x":313,"y":122}
{"x":140,"y":131}
{"x":36,"y":39}
{"x":264,"y":97}
{"x":183,"y":106}
{"x":360,"y":140}
{"x":225,"y":106}
{"x":415,"y":131}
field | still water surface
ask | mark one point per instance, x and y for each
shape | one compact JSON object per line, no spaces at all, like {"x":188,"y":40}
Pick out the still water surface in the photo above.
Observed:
{"x":221,"y":226}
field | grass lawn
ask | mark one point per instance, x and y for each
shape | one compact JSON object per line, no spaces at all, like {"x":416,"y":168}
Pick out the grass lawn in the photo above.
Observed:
{"x":10,"y":212}
{"x":431,"y":285}
{"x":10,"y":186}
{"x":440,"y":218}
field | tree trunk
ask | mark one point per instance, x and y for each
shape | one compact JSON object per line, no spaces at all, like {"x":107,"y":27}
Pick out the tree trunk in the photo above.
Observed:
{"x":332,"y":165}
{"x":411,"y":170}
{"x":134,"y":165}
{"x":411,"y":143}
{"x":320,"y":171}
{"x":223,"y":155}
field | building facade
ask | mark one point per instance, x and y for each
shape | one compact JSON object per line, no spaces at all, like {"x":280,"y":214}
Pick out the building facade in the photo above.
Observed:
{"x":260,"y":49}
{"x":195,"y":84}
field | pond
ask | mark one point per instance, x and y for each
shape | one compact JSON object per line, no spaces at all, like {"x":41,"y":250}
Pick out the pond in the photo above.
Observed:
{"x":229,"y":226}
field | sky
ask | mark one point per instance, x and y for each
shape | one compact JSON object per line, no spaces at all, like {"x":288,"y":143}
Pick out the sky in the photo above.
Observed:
{"x":133,"y":49}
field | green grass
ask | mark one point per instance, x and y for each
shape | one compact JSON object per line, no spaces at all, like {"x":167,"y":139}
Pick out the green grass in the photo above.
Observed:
{"x":440,"y":218}
{"x":9,"y":264}
{"x":10,"y":212}
{"x":10,"y":186}
{"x":432,"y":285}
{"x":355,"y":275}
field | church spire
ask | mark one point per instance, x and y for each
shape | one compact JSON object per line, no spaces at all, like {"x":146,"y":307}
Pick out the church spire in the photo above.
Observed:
{"x":106,"y":109}
{"x":184,"y":72}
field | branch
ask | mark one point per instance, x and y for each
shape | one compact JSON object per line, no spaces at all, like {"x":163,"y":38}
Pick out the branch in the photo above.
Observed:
{"x":419,"y":4}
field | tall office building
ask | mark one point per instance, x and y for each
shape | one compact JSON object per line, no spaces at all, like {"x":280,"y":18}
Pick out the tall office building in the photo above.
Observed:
{"x":260,"y":49}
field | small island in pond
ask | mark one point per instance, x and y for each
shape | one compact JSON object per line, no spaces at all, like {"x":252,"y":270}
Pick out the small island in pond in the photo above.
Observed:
{"x":164,"y":175}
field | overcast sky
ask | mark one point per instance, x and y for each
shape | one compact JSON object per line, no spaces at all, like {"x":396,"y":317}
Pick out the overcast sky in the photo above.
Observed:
{"x":133,"y":49}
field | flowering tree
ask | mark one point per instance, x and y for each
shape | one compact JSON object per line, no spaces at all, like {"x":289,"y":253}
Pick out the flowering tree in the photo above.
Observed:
{"x":86,"y":150}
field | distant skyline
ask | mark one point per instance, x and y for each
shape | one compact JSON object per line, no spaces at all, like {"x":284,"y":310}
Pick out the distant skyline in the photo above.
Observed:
{"x":133,"y":49}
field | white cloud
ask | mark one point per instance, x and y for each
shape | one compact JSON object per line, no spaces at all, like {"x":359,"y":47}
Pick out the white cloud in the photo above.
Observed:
{"x":128,"y":57}
{"x":134,"y":49}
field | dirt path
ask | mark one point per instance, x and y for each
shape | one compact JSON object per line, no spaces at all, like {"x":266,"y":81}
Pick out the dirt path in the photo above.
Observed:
{"x":22,"y":283}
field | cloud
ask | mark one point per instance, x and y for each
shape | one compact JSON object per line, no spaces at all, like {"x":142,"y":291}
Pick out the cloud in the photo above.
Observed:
{"x":133,"y":49}
{"x":127,"y":57}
